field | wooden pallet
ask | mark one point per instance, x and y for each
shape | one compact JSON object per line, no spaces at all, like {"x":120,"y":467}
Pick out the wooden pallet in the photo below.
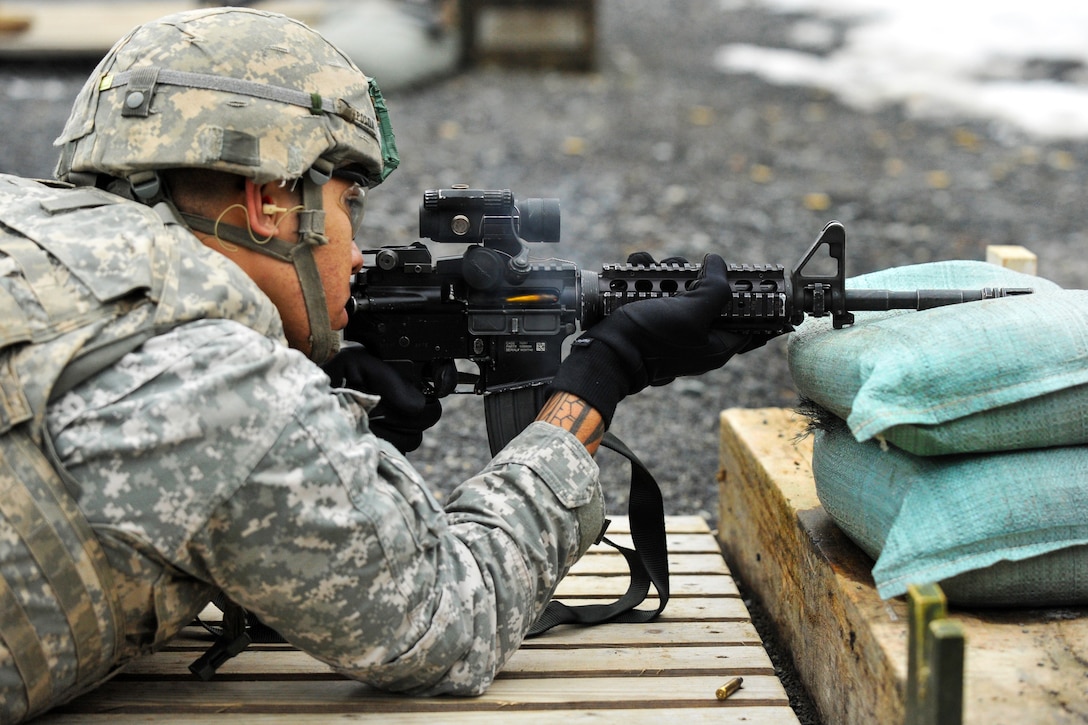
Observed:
{"x":667,"y":670}
{"x":850,"y":647}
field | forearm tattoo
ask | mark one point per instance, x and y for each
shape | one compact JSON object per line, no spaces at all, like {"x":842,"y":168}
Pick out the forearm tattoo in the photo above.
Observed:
{"x":575,"y":415}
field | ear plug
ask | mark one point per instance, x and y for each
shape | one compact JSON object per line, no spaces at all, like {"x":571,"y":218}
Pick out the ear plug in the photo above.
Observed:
{"x":270,"y":208}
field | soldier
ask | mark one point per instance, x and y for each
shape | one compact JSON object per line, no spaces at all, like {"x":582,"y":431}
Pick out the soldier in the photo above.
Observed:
{"x":167,"y":431}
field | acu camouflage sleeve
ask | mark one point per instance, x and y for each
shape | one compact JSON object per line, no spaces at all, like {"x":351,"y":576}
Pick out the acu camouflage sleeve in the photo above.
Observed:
{"x":226,"y":456}
{"x":357,"y":565}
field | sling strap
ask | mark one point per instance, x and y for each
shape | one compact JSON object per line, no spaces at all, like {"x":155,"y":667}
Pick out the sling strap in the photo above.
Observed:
{"x":648,"y":560}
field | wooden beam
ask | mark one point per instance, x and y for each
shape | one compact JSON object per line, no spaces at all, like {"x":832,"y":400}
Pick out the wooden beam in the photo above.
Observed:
{"x":1014,"y":257}
{"x":849,"y":646}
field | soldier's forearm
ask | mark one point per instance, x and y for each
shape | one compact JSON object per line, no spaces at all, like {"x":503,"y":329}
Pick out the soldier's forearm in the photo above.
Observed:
{"x":575,"y":415}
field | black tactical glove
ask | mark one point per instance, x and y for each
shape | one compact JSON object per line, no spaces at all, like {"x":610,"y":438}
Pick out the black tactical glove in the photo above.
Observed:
{"x":403,"y":413}
{"x":652,"y":342}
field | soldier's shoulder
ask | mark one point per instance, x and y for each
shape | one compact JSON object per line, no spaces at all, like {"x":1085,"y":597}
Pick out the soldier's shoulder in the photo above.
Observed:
{"x":61,"y":217}
{"x":11,"y":180}
{"x":49,"y":197}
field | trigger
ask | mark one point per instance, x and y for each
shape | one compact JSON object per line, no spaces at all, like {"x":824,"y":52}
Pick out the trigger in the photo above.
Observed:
{"x":443,"y":376}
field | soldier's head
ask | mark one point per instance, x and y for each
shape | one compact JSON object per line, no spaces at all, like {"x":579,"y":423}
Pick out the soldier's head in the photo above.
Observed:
{"x":264,"y":135}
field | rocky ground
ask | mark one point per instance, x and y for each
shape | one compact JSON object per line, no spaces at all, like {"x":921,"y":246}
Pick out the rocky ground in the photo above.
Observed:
{"x":659,"y":151}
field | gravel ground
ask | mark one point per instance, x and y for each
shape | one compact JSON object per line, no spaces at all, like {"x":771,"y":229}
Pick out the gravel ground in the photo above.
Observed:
{"x":658,"y":151}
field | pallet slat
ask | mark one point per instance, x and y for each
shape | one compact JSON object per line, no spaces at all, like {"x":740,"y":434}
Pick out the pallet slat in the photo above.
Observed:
{"x":747,"y":714}
{"x":599,"y":662}
{"x":702,"y":564}
{"x":688,"y":543}
{"x":680,"y":585}
{"x":335,"y":696}
{"x":705,"y":609}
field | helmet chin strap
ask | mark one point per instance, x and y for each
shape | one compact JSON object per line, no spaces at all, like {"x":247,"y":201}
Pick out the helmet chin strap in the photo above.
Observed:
{"x":324,"y":341}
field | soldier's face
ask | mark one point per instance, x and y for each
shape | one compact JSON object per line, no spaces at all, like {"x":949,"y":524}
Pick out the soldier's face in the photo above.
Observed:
{"x":336,"y":262}
{"x":340,"y":258}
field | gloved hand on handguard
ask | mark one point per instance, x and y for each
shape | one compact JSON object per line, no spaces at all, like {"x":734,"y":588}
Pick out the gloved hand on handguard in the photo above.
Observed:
{"x":652,"y":342}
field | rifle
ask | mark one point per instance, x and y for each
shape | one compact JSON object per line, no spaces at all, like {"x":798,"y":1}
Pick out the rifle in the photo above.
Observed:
{"x":509,"y":315}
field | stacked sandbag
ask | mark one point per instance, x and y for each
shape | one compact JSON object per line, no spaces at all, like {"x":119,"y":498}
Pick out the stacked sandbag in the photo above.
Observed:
{"x":952,"y":444}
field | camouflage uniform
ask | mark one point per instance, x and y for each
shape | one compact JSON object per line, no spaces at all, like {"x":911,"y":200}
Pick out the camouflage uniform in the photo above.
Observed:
{"x":212,"y":455}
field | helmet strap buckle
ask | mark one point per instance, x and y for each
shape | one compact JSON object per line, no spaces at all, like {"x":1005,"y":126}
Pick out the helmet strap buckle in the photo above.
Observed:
{"x":146,"y":185}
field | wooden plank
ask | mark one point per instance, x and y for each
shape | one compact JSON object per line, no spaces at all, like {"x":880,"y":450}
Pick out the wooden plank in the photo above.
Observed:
{"x":712,"y":715}
{"x":849,"y":645}
{"x":673,"y":525}
{"x":649,"y":634}
{"x":667,"y":659}
{"x":719,"y":661}
{"x":677,"y":544}
{"x":681,"y":585}
{"x":338,"y":696}
{"x":704,"y":564}
{"x":658,"y":633}
{"x":688,"y":609}
{"x":1014,"y":257}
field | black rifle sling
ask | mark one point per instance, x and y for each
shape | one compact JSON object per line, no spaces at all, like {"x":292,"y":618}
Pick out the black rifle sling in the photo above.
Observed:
{"x":239,"y":629}
{"x":648,"y":560}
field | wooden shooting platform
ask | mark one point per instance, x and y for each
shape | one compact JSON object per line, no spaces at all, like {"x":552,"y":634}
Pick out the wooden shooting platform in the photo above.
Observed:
{"x":664,"y":671}
{"x":849,"y":646}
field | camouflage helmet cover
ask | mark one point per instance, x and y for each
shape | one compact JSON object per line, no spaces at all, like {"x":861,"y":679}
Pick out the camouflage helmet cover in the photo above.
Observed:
{"x":238,"y":90}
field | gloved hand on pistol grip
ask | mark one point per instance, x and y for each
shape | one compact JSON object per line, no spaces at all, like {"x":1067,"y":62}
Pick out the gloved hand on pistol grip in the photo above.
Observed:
{"x":652,"y":342}
{"x":403,"y":413}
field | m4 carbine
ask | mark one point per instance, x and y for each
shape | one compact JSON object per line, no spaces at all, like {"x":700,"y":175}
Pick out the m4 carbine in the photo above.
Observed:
{"x":510,"y":315}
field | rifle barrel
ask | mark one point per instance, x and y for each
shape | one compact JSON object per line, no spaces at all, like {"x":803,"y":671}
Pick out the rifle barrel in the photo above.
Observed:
{"x":882,"y":299}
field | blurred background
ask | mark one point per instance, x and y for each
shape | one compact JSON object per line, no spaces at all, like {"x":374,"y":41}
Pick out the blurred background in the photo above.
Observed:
{"x":931,"y":130}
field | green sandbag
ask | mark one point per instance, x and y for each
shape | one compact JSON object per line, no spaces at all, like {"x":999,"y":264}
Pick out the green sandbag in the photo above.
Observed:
{"x":996,"y":529}
{"x":1009,"y":373}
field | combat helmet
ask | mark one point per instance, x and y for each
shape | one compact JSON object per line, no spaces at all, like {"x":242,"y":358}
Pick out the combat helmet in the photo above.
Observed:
{"x":236,"y":90}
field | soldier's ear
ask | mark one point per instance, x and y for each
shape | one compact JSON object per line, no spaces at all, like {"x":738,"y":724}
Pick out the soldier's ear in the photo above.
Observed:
{"x":265,"y":204}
